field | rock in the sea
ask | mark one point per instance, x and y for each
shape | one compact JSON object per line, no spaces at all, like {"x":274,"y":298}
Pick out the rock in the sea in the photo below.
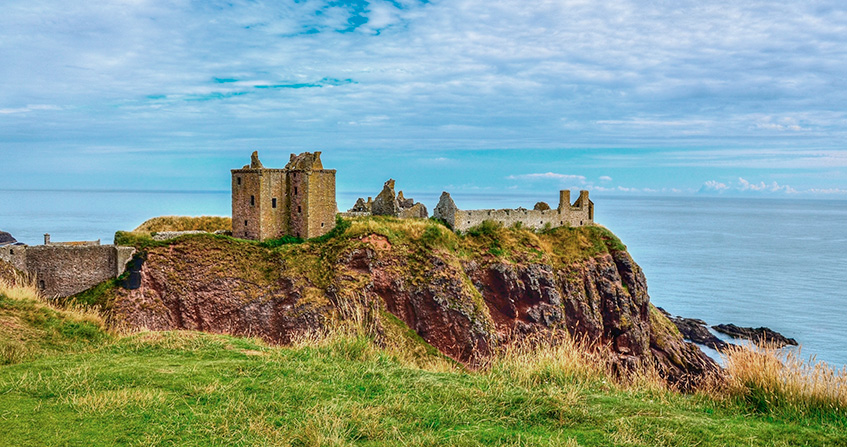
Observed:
{"x":6,"y":238}
{"x":695,"y":330}
{"x":757,"y":335}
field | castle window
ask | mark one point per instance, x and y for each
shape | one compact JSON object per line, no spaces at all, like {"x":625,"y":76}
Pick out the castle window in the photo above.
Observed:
{"x":273,"y":202}
{"x":252,"y":200}
{"x":299,"y":210}
{"x":41,"y":284}
{"x":245,"y":223}
{"x":238,"y":180}
{"x":295,"y":190}
{"x":322,"y":224}
{"x":11,"y":252}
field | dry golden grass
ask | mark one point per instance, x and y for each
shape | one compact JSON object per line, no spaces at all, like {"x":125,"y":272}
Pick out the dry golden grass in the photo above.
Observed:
{"x":29,"y":320}
{"x":769,"y":378}
{"x":20,"y":287}
{"x":118,"y":401}
{"x":543,"y":360}
{"x":186,"y":223}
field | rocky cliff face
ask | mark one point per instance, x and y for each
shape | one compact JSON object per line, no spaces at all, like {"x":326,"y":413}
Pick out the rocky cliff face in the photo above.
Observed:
{"x":462,"y":300}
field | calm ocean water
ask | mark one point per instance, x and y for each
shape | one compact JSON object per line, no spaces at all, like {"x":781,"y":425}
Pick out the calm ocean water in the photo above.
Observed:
{"x":752,"y":262}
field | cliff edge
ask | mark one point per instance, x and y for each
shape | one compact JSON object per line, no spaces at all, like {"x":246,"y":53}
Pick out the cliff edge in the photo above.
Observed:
{"x":466,"y":295}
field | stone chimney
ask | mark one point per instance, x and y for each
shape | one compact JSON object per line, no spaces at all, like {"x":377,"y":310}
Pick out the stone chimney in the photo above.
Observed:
{"x":564,"y":199}
{"x":46,"y":238}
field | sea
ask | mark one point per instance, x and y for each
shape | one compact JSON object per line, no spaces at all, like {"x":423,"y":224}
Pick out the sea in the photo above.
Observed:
{"x":780,"y":263}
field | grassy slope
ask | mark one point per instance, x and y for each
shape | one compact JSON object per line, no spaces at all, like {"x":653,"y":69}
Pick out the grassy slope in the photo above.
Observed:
{"x":87,"y":387}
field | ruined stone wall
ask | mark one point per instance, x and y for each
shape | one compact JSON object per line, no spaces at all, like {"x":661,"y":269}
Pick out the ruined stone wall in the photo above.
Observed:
{"x":14,"y":255}
{"x":535,"y":219}
{"x":579,"y":213}
{"x":64,"y":270}
{"x":321,"y":207}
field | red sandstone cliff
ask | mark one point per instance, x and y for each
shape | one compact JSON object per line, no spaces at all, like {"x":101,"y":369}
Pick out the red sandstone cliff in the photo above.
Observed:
{"x":464,"y":305}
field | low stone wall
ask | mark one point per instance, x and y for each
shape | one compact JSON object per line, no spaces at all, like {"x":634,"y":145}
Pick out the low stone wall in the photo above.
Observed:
{"x":165,"y":235}
{"x":64,"y":270}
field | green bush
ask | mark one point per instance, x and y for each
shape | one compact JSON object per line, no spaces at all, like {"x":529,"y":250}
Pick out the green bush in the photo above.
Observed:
{"x":486,"y":228}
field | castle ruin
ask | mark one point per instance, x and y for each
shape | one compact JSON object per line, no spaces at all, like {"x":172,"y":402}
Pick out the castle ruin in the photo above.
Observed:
{"x":581,"y":212}
{"x":298,"y":200}
{"x":388,"y":203}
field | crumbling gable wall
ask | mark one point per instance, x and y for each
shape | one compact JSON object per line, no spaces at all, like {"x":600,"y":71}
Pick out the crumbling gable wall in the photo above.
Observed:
{"x":581,"y":212}
{"x":387,"y":203}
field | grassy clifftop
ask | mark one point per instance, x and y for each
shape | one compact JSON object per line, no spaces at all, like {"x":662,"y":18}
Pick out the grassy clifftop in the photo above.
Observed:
{"x":80,"y":384}
{"x":186,"y":223}
{"x":558,"y":246}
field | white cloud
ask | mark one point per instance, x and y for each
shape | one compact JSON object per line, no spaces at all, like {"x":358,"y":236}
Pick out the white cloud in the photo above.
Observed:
{"x":744,"y":185}
{"x":549,"y":176}
{"x":29,"y":108}
{"x":605,"y":178}
{"x":713,"y":185}
{"x":461,"y":74}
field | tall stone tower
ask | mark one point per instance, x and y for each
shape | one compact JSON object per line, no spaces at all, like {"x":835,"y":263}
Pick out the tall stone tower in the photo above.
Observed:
{"x":298,"y":200}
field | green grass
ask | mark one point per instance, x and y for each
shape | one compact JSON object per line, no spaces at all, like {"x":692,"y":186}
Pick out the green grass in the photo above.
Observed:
{"x":80,"y":385}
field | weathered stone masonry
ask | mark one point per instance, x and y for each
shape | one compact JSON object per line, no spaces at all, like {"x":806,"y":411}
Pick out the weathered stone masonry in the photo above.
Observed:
{"x":581,"y":212}
{"x":388,"y":203}
{"x":66,"y":269}
{"x":298,"y":200}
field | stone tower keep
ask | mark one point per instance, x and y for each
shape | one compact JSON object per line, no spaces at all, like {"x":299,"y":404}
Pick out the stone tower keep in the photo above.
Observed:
{"x":298,"y":200}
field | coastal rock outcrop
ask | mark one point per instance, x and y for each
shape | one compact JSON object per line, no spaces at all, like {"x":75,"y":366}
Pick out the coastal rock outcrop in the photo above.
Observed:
{"x":464,"y":305}
{"x":696,"y":331}
{"x":760,"y":335}
{"x":6,"y":238}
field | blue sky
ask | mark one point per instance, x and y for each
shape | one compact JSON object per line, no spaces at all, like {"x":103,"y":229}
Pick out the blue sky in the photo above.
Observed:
{"x":626,"y":97}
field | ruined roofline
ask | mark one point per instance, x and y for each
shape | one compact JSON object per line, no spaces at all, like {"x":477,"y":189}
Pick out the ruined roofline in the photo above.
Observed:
{"x":259,"y":170}
{"x":249,"y":170}
{"x":564,"y":194}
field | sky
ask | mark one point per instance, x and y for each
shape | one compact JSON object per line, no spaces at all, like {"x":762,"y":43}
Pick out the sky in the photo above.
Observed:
{"x":498,"y":96}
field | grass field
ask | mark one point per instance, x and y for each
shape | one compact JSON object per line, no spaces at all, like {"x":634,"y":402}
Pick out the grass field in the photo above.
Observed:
{"x":66,"y":380}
